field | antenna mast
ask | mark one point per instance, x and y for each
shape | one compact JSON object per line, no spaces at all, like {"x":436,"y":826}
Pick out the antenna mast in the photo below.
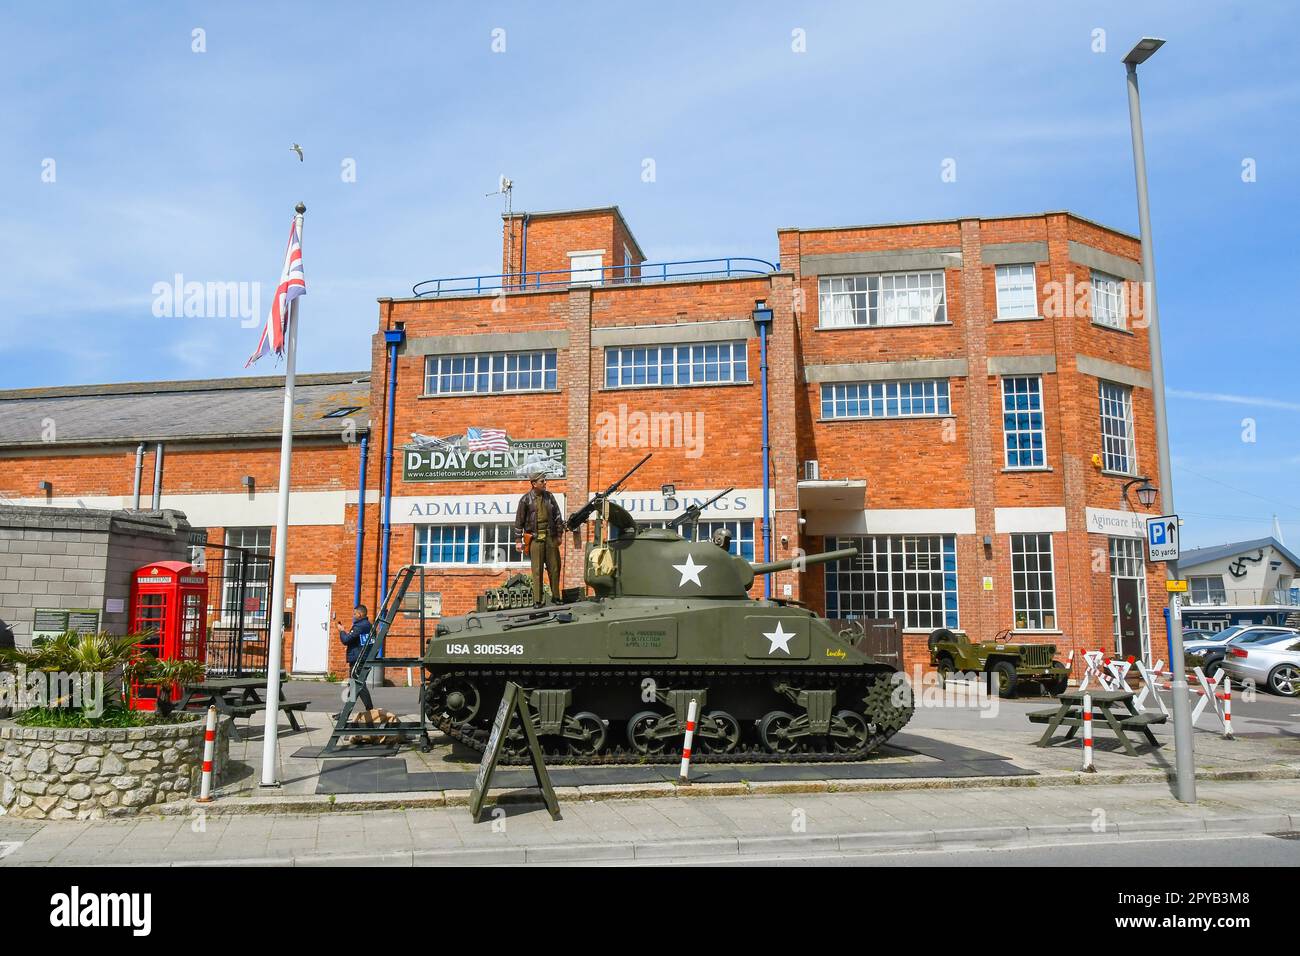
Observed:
{"x":505,"y":189}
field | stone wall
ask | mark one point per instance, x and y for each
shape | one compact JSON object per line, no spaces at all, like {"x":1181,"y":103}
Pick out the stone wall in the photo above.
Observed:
{"x":65,"y":773}
{"x":79,"y":558}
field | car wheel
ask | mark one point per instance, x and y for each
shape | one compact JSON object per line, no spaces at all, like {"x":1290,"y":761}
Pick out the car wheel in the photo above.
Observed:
{"x":1213,"y":667}
{"x":946,"y":667}
{"x":1057,"y":686}
{"x":1002,"y":679}
{"x":1285,"y":680}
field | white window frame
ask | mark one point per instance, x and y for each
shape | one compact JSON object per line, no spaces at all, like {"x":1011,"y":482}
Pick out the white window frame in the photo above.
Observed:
{"x":1032,"y":585}
{"x":1109,"y":301}
{"x":1009,"y":280}
{"x":871,"y":301}
{"x":1121,"y":399}
{"x":655,"y":363}
{"x":862,"y":400}
{"x":911,"y":557}
{"x":472,"y":367}
{"x":1208,"y":582}
{"x":501,"y":539}
{"x":586,"y":266}
{"x":228,"y":610}
{"x":1017,"y":430}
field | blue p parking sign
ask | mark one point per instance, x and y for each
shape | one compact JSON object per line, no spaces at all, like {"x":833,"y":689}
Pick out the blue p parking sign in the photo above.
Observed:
{"x":1162,"y":538}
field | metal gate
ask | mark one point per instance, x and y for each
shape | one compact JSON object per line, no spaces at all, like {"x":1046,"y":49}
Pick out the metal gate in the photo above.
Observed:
{"x":239,"y":625}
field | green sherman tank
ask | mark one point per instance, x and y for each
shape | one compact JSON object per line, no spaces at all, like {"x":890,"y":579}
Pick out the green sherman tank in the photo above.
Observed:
{"x":609,"y":677}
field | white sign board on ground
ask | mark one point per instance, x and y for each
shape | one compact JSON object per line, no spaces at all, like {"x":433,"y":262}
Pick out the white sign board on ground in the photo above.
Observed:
{"x":1162,"y":538}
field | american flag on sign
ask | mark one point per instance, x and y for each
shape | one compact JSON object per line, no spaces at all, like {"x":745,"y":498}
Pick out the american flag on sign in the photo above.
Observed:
{"x":487,"y":439}
{"x":293,"y":283}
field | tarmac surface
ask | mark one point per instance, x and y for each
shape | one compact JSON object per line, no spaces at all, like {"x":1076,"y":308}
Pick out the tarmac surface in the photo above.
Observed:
{"x":921,"y":799}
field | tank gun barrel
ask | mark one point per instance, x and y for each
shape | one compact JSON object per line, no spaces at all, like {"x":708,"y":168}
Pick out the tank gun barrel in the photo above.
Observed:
{"x":769,"y":567}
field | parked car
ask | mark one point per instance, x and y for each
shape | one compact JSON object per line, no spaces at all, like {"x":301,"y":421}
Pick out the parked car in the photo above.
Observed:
{"x":1209,"y":654}
{"x":1198,"y":634}
{"x":1273,"y":664}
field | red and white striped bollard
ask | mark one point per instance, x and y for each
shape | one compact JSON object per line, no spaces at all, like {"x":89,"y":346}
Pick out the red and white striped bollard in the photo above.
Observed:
{"x":1227,"y":708}
{"x":209,"y":749}
{"x":685,"y":777}
{"x":1087,"y":735}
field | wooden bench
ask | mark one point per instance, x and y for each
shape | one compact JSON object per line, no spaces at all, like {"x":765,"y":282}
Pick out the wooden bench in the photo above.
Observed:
{"x":1069,"y":713}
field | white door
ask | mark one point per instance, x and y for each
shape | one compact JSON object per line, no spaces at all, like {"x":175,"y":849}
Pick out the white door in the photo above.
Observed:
{"x":311,"y":629}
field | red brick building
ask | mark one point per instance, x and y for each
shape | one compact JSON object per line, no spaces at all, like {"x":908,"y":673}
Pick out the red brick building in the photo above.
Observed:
{"x":966,"y":402}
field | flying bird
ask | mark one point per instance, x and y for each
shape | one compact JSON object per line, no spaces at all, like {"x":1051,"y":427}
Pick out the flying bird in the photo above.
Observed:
{"x":297,"y":149}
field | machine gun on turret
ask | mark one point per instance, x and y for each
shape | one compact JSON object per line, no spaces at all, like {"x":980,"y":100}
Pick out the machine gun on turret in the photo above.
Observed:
{"x":692,"y":513}
{"x":577,"y":519}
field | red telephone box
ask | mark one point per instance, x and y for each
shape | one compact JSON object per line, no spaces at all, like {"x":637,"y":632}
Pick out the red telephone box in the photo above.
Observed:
{"x":169,"y":605}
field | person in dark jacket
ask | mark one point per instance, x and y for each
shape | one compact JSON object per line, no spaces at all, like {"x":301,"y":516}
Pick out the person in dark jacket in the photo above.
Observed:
{"x":539,"y":532}
{"x":355,"y":640}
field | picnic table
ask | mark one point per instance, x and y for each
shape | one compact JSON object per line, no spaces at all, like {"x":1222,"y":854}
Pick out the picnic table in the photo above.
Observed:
{"x":1069,"y":713}
{"x":236,"y":697}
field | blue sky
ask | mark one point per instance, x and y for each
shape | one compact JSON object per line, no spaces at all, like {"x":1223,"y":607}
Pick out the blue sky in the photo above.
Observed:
{"x":169,"y":161}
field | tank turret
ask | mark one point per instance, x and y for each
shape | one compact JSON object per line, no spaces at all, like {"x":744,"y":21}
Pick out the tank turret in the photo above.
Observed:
{"x":658,"y":562}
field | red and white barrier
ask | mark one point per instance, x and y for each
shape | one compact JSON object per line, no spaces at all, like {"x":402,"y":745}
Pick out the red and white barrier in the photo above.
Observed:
{"x":1210,"y":694}
{"x":1106,"y":672}
{"x":686,"y":745}
{"x":209,"y":751}
{"x":1087,"y":735}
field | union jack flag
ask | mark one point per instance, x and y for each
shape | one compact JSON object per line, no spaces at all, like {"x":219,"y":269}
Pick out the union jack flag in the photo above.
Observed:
{"x":293,"y":283}
{"x":487,"y":439}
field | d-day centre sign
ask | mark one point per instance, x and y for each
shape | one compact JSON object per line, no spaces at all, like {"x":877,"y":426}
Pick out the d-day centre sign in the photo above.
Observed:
{"x":460,"y":463}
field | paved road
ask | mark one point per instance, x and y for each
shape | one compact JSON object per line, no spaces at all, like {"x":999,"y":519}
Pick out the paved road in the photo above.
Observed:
{"x":1210,"y":852}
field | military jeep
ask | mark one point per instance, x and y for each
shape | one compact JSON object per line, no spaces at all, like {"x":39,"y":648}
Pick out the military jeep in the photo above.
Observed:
{"x":1005,"y":664}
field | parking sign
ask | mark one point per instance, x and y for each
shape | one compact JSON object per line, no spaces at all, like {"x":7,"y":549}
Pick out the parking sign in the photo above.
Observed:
{"x":1162,"y":538}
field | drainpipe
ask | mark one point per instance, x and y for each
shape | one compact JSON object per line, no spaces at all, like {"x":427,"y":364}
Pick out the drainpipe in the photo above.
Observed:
{"x":139,"y":469}
{"x":763,"y":319}
{"x":523,"y":254}
{"x":157,"y":477}
{"x":361,"y":519}
{"x":394,"y":337}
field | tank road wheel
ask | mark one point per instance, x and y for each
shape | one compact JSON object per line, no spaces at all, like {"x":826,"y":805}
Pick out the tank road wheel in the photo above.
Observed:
{"x":585,"y":734}
{"x":640,"y":733}
{"x":856,"y":736}
{"x":773,"y":731}
{"x":726,"y":733}
{"x":459,"y":700}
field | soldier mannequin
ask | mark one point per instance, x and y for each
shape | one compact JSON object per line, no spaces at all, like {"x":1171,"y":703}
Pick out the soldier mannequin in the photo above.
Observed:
{"x":539,"y":531}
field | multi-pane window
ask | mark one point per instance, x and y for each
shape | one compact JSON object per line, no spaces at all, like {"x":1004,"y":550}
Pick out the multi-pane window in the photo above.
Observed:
{"x":1127,"y":562}
{"x":1108,"y":306}
{"x":742,"y":533}
{"x":1118,"y":451}
{"x":713,"y":363}
{"x":912,"y":578}
{"x":910,"y":399}
{"x":466,"y":544}
{"x":1208,"y":589}
{"x":1022,"y":422}
{"x":1017,"y":298}
{"x":1033,"y":586}
{"x":895,"y":298}
{"x":255,"y":560}
{"x":488,"y":372}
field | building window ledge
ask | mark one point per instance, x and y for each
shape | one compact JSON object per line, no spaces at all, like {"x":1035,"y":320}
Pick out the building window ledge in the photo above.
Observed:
{"x":883,"y":418}
{"x":642,"y":388}
{"x":1031,"y":470}
{"x":1022,"y":318}
{"x":1111,"y":328}
{"x":1031,"y":632}
{"x":875,"y":328}
{"x":516,"y":391}
{"x":1118,"y":474}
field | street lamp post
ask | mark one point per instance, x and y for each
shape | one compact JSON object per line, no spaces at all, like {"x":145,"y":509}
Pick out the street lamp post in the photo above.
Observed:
{"x":1184,"y":758}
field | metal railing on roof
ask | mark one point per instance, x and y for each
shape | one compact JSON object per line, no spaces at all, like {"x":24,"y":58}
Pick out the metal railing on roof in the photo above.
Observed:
{"x":645,"y":272}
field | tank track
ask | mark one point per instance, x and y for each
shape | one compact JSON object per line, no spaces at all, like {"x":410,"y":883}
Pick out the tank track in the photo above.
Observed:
{"x":881,"y":712}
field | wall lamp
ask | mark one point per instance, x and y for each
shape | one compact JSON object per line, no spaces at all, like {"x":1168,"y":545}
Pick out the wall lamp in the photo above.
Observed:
{"x":670,"y":497}
{"x":45,"y":486}
{"x":247,"y":482}
{"x":1146,"y":491}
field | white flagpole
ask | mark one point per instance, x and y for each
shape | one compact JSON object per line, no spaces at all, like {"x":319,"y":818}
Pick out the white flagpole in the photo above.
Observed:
{"x":275,"y":645}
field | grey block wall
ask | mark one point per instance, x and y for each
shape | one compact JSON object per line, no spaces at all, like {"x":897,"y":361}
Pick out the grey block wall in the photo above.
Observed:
{"x":79,"y":558}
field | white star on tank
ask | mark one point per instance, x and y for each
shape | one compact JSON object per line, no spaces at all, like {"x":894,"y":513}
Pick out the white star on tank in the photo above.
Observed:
{"x":690,"y":571}
{"x":779,"y":638}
